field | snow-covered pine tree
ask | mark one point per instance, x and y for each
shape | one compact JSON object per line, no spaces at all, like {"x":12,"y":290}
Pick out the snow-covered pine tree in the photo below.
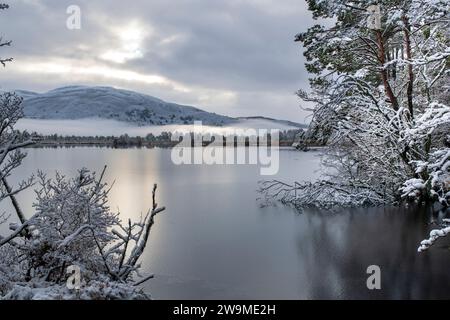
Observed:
{"x":381,"y":103}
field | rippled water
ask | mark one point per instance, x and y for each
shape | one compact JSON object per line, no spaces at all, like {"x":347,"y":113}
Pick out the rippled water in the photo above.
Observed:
{"x":214,"y":241}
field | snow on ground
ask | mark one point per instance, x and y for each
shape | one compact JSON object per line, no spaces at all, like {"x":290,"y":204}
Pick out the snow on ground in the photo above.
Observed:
{"x":104,"y":127}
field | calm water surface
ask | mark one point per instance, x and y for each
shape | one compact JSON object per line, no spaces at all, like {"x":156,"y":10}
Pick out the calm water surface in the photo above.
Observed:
{"x":215,"y":241}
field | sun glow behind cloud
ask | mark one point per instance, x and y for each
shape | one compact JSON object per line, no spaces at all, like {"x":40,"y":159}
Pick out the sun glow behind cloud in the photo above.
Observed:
{"x":130,"y":39}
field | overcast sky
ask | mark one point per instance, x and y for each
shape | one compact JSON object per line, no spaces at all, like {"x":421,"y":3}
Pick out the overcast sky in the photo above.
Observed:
{"x":233,"y":57}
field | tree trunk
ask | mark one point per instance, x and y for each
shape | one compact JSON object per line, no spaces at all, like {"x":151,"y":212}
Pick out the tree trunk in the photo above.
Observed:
{"x":409,"y":90}
{"x":383,"y":72}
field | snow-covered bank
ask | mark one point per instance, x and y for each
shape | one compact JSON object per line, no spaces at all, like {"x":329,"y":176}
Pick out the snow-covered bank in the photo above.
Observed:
{"x":96,"y":290}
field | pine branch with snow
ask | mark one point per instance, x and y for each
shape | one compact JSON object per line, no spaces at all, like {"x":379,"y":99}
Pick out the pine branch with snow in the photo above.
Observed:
{"x":435,"y":235}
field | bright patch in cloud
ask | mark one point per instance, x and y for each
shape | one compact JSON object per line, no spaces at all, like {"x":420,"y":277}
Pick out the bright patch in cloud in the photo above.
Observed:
{"x":130,"y":40}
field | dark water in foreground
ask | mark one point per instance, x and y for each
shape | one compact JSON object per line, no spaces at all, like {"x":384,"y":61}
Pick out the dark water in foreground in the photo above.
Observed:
{"x":214,"y":241}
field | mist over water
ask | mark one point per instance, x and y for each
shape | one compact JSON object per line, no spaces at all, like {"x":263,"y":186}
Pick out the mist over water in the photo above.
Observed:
{"x":104,"y":127}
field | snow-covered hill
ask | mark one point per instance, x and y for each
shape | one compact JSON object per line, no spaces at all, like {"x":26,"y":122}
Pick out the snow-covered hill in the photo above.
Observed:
{"x":82,"y":102}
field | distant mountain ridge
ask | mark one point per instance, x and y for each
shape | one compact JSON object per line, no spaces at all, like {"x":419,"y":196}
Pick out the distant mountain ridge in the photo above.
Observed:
{"x":84,"y":102}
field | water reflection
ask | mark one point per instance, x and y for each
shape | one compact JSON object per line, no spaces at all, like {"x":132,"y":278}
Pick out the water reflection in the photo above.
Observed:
{"x":344,"y":244}
{"x":215,"y":241}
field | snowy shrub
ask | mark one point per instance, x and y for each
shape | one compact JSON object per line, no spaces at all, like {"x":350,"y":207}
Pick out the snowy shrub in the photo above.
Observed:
{"x":73,"y":225}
